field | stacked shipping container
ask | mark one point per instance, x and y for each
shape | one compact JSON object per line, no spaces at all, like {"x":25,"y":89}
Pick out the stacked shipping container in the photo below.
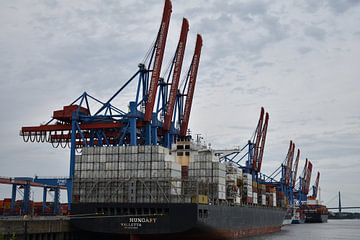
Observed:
{"x":127,"y":174}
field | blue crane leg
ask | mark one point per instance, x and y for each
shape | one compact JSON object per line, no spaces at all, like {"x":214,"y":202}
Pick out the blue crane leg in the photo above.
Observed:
{"x":57,"y":201}
{"x":133,"y":140}
{"x":26,"y":200}
{"x":154,"y":128}
{"x":13,"y":197}
{"x":44,"y":199}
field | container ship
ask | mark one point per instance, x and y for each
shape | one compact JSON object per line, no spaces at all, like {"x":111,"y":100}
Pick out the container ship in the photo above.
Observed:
{"x":152,"y":192}
{"x":315,"y":212}
{"x":141,"y":176}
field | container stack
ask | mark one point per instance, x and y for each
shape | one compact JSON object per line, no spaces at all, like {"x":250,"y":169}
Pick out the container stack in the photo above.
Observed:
{"x":127,"y":174}
{"x":261,"y":194}
{"x":248,"y":190}
{"x":208,"y":170}
{"x":271,"y":196}
{"x":219,"y":182}
{"x":255,"y":192}
{"x":234,"y":182}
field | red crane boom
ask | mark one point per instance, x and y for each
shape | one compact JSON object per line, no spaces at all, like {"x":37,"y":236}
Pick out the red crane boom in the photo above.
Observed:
{"x":308,"y":177}
{"x":289,"y":162}
{"x":316,"y":185}
{"x":258,"y":138}
{"x":159,"y":54}
{"x":176,"y":76}
{"x":296,"y":167}
{"x":263,"y":139}
{"x":191,"y":88}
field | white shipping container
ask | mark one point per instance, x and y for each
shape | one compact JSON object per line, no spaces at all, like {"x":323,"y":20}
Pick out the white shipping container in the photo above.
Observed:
{"x":222,"y":195}
{"x":263,"y":199}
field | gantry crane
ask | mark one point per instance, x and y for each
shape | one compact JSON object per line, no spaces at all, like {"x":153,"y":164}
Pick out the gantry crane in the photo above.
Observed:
{"x":78,"y":125}
{"x":315,"y":188}
{"x":304,"y":183}
{"x":253,"y":151}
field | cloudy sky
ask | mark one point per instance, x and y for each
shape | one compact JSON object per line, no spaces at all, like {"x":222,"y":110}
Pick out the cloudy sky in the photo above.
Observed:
{"x":298,"y":59}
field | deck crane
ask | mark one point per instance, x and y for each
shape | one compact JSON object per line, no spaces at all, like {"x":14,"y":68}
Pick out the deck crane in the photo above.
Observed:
{"x":77,"y":125}
{"x":191,"y":81}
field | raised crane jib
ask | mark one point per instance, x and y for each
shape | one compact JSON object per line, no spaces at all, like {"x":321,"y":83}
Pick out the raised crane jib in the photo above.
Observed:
{"x":308,"y":178}
{"x":296,"y":167}
{"x":191,"y":87}
{"x":179,"y":56}
{"x":258,"y":138}
{"x":159,"y":54}
{"x":262,"y":144}
{"x":289,"y":162}
{"x":316,"y":186}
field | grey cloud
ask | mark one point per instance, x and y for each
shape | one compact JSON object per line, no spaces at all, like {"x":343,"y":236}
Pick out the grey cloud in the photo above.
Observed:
{"x":263,"y":64}
{"x":315,"y":32}
{"x":304,"y":50}
{"x":257,"y":91}
{"x":341,"y":6}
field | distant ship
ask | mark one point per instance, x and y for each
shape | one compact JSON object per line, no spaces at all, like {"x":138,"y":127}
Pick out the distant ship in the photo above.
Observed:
{"x":315,"y":212}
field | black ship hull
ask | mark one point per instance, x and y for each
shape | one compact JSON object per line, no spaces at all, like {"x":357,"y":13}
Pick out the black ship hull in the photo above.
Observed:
{"x":174,"y":221}
{"x":316,"y":218}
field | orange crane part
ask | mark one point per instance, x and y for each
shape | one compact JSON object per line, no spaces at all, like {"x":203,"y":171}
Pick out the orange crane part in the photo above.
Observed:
{"x":191,"y":88}
{"x":159,"y":54}
{"x":176,"y":76}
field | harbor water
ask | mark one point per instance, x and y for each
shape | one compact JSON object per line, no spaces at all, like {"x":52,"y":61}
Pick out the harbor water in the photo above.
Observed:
{"x":334,"y":229}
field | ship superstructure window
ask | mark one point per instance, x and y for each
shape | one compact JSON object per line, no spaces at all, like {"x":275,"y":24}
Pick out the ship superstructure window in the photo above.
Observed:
{"x":180,"y":146}
{"x":187,"y":146}
{"x":180,"y":153}
{"x":187,"y":153}
{"x":200,"y":213}
{"x":206,"y":213}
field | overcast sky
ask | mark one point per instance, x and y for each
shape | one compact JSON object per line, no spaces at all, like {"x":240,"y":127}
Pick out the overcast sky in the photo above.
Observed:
{"x":299,"y":59}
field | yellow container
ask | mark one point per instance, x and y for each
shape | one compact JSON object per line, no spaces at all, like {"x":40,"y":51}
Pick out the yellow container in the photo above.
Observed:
{"x":200,"y":199}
